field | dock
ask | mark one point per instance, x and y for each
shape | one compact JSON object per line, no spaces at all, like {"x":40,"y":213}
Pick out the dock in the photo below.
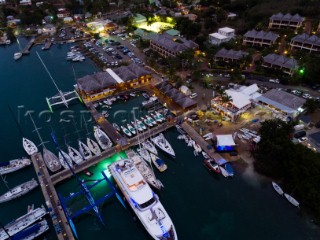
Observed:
{"x":66,"y":173}
{"x":27,"y":48}
{"x":58,"y":217}
{"x":199,"y":140}
{"x":47,"y":46}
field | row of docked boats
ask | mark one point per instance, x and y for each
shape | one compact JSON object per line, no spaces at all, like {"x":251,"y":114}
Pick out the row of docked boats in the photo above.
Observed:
{"x":26,"y":227}
{"x":279,"y":190}
{"x":73,"y":156}
{"x":140,"y":125}
{"x":75,"y":55}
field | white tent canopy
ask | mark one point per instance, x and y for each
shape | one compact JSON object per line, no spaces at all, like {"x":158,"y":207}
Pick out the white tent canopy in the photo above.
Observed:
{"x":225,"y":140}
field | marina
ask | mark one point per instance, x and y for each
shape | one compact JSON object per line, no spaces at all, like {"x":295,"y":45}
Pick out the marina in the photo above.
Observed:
{"x":184,"y":182}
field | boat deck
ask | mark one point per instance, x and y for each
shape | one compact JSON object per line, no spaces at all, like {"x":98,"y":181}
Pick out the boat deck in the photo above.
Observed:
{"x":58,"y":217}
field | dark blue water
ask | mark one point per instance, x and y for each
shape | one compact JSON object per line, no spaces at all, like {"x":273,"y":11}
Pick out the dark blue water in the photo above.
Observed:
{"x":201,"y":205}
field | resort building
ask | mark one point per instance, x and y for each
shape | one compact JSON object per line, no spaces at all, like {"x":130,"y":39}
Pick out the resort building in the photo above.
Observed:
{"x":283,"y":63}
{"x":240,"y":100}
{"x":280,"y":102}
{"x":223,"y":35}
{"x":306,"y":42}
{"x":170,"y":46}
{"x":229,"y":55}
{"x":280,"y":20}
{"x":101,"y":84}
{"x":260,"y":38}
{"x":176,"y":96}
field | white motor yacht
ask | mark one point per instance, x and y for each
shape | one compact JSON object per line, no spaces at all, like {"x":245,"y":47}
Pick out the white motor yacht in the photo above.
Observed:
{"x":17,"y":55}
{"x":131,"y":129}
{"x":144,"y":202}
{"x":126,"y":131}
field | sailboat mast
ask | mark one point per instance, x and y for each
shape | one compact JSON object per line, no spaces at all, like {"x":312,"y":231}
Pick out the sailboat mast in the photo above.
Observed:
{"x":36,"y":129}
{"x":45,"y":67}
{"x":15,"y":120}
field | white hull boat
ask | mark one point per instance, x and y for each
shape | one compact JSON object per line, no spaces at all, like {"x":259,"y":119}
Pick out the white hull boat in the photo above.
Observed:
{"x":151,"y":120}
{"x":144,"y":154}
{"x":131,"y":129}
{"x":116,"y":127}
{"x":158,"y":163}
{"x":143,"y":201}
{"x":13,"y":165}
{"x":147,"y":122}
{"x":160,"y":116}
{"x":94,"y":147}
{"x":223,"y":171}
{"x":19,"y":190}
{"x":277,"y":188}
{"x":29,"y":146}
{"x":126,"y":131}
{"x":150,"y":147}
{"x":51,"y":160}
{"x":102,"y":138}
{"x":156,"y":117}
{"x":22,"y":222}
{"x":145,"y":169}
{"x":141,"y":125}
{"x":163,"y":144}
{"x":17,"y":55}
{"x":75,"y":155}
{"x":63,"y":157}
{"x":293,"y":201}
{"x":84,"y":150}
{"x":137,"y":126}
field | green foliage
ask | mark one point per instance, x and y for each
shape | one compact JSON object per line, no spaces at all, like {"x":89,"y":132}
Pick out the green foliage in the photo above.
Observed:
{"x":299,"y":167}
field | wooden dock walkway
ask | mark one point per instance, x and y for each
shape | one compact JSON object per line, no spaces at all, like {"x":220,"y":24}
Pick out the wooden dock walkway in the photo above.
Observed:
{"x":58,"y":217}
{"x":27,"y":48}
{"x":199,"y":140}
{"x":64,"y":174}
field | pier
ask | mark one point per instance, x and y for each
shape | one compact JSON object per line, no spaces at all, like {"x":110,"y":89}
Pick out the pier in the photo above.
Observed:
{"x":199,"y":140}
{"x":58,"y":217}
{"x":47,"y":46}
{"x":62,"y":175}
{"x":27,"y":48}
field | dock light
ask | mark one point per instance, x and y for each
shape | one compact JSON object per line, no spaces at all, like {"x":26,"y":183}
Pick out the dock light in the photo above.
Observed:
{"x":301,"y":71}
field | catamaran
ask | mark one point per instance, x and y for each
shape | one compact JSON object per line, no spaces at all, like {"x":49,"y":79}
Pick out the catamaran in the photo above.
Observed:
{"x":93,"y":146}
{"x":150,"y":147}
{"x":158,"y":163}
{"x":22,"y":222}
{"x":61,"y":97}
{"x":65,"y":159}
{"x":144,"y":202}
{"x":19,"y":190}
{"x":102,"y":138}
{"x":29,"y":146}
{"x":163,"y":144}
{"x":13,"y":165}
{"x":75,"y":155}
{"x":126,"y":131}
{"x":84,"y":150}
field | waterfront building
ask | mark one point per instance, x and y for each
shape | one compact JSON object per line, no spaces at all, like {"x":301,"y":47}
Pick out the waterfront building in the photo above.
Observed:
{"x":62,"y":13}
{"x":223,"y":35}
{"x":175,"y":96}
{"x":283,"y":63}
{"x":25,"y":2}
{"x":225,"y":143}
{"x":49,"y":29}
{"x":229,"y":55}
{"x":280,"y":20}
{"x":102,"y":84}
{"x":260,"y":38}
{"x":306,"y":42}
{"x":237,"y":101}
{"x":282,"y":103}
{"x":170,"y":46}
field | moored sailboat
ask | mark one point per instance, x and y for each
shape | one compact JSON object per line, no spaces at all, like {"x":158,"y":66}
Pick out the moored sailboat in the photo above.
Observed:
{"x":29,"y":146}
{"x":150,"y":147}
{"x":163,"y":144}
{"x":75,"y":155}
{"x":93,"y":146}
{"x":158,"y":163}
{"x":65,"y":159}
{"x":84,"y":150}
{"x":102,"y":138}
{"x":13,"y":165}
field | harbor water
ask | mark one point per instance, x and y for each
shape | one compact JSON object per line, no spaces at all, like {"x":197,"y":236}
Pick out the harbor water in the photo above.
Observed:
{"x":201,"y":205}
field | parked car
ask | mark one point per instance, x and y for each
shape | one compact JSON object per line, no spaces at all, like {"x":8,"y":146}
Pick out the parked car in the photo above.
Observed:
{"x":193,"y":95}
{"x":300,"y":134}
{"x":274,"y":80}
